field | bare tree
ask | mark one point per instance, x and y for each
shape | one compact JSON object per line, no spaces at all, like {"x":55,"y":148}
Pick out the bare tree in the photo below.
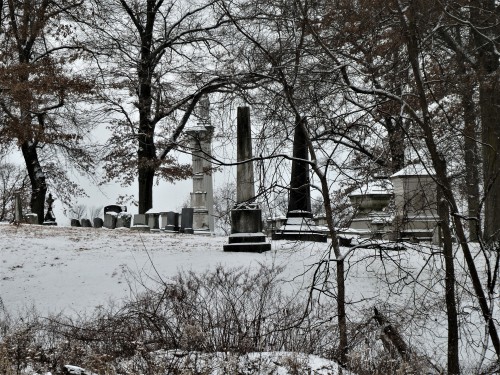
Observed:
{"x":38,"y":86}
{"x":12,"y":179}
{"x":164,"y":56}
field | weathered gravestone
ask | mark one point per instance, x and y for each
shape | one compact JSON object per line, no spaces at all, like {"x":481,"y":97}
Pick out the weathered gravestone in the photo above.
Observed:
{"x":86,"y":223}
{"x":110,"y":220}
{"x":123,"y":220}
{"x":32,"y":218}
{"x":18,"y":210}
{"x":140,"y":223}
{"x":98,"y":222}
{"x":111,"y":215}
{"x":153,"y":220}
{"x":187,"y":220}
{"x":140,"y":219}
{"x":75,"y":223}
{"x":170,"y":221}
{"x":246,"y":216}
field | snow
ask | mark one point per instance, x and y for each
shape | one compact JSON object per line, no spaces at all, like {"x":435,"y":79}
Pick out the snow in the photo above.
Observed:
{"x":415,"y":170}
{"x":377,"y":187}
{"x":78,"y":270}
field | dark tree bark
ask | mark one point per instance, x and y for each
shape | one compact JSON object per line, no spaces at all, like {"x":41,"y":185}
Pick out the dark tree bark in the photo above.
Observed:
{"x":484,"y":16}
{"x":451,"y":304}
{"x":396,"y":136}
{"x":37,"y":179}
{"x":471,"y":154}
{"x":442,"y":177}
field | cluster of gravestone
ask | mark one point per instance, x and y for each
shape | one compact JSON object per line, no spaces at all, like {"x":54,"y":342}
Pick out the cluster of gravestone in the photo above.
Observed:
{"x":32,"y":218}
{"x":116,"y":216}
{"x":371,"y":220}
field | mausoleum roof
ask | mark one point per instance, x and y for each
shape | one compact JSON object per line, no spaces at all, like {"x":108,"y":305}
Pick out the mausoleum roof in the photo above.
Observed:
{"x":376,"y":187}
{"x":415,"y":170}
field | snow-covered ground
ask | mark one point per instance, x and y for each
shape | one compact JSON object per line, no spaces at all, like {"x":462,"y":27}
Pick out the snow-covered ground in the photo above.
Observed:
{"x":76,"y":270}
{"x":73,"y":269}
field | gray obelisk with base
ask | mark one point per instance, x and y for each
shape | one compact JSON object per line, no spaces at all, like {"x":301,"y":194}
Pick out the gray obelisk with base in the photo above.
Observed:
{"x":299,"y":225}
{"x":201,"y":148}
{"x":246,"y":216}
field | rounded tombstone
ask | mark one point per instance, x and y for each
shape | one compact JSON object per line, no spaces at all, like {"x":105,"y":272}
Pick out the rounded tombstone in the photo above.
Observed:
{"x":75,"y":223}
{"x":98,"y":222}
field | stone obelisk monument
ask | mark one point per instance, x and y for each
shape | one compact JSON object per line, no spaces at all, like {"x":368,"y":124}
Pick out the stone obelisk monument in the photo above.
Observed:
{"x":246,"y":216}
{"x":299,"y":225}
{"x":202,"y":200}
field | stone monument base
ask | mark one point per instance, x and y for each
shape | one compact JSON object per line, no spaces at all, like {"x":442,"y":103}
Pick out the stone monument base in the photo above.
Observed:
{"x":299,"y":227}
{"x":247,"y":242}
{"x":141,"y":228}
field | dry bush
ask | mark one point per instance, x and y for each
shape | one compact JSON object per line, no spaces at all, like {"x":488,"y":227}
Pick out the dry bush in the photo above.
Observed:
{"x":222,"y":311}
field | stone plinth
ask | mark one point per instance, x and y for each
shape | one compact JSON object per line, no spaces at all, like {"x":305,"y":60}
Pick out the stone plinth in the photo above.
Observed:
{"x":246,"y":217}
{"x":300,"y":226}
{"x":247,"y":242}
{"x":141,"y":228}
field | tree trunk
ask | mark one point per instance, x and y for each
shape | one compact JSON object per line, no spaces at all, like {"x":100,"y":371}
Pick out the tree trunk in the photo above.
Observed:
{"x":484,"y":17}
{"x":471,"y":159}
{"x":146,"y":153}
{"x":343,"y":346}
{"x":146,"y":150}
{"x":396,"y":137}
{"x":489,"y":100}
{"x":146,"y":171}
{"x":37,"y":179}
{"x":451,"y":305}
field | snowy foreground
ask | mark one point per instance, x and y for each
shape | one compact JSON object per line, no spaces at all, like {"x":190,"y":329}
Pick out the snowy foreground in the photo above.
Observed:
{"x":70,"y":269}
{"x":78,"y":270}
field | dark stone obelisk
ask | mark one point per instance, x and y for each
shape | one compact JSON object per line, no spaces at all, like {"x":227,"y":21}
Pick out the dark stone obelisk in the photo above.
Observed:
{"x":246,"y":216}
{"x":299,"y":225}
{"x":299,"y":202}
